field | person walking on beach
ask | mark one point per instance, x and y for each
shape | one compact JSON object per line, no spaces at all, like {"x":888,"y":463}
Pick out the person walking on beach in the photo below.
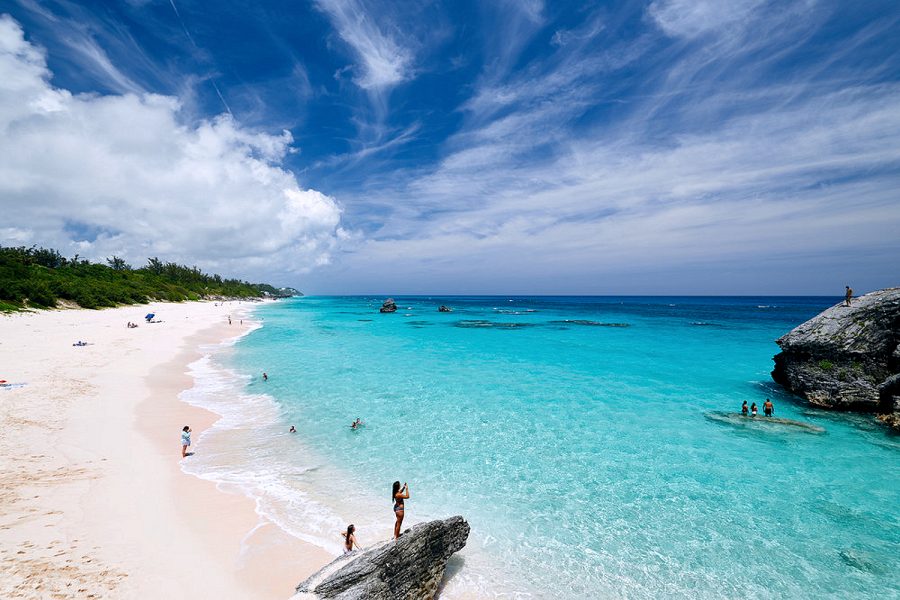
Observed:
{"x":753,"y":410}
{"x":398,"y":495}
{"x":848,"y":296}
{"x":768,"y":408}
{"x":185,"y":440}
{"x":744,"y":409}
{"x":350,"y":539}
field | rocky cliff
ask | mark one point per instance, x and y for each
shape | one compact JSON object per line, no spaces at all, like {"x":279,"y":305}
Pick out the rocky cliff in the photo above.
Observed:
{"x":847,"y":357}
{"x":410,"y":568}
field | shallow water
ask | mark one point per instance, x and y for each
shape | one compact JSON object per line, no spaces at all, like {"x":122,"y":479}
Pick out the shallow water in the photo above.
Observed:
{"x":575,"y":436}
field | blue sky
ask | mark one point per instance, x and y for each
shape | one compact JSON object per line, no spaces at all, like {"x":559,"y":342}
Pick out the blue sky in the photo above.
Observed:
{"x":500,"y":146}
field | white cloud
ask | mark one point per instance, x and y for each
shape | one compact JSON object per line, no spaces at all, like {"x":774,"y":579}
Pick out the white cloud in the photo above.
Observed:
{"x":125,"y":174}
{"x":384,"y":62}
{"x":690,"y":18}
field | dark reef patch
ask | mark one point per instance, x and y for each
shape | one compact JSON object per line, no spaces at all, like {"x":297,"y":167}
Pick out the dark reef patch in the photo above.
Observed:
{"x":588,"y":323}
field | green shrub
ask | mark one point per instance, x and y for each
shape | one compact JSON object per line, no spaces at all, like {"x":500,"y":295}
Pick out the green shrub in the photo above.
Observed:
{"x":40,"y":277}
{"x":826,"y":365}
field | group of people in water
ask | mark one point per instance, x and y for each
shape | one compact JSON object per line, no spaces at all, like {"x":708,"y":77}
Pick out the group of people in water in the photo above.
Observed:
{"x":399,"y":493}
{"x":768,"y":409}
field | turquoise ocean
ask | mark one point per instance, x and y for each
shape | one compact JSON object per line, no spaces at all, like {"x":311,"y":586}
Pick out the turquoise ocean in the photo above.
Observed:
{"x":583,"y":438}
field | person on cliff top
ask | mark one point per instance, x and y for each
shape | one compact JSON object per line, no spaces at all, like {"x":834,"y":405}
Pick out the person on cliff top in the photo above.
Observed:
{"x":768,"y":408}
{"x":753,"y":410}
{"x":744,"y":409}
{"x":350,"y":539}
{"x":848,"y":296}
{"x":185,"y":440}
{"x":398,"y":495}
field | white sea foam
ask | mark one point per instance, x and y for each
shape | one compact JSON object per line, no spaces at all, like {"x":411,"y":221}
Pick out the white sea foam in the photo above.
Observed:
{"x":241,"y":453}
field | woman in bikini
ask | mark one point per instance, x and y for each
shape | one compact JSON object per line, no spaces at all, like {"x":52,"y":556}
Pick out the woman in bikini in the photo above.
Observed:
{"x":398,"y":495}
{"x":350,"y":539}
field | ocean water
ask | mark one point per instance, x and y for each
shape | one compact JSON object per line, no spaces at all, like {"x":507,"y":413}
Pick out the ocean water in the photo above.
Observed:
{"x":586,"y":441}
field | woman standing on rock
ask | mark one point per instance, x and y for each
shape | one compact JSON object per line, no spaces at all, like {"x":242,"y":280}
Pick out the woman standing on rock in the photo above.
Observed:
{"x":398,"y":495}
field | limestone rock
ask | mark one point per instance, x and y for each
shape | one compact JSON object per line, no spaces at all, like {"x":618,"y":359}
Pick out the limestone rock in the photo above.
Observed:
{"x":388,"y":306}
{"x":847,"y":357}
{"x":410,"y":568}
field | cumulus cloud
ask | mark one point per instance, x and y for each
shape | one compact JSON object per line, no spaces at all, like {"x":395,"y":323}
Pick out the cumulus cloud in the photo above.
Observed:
{"x":126,"y":175}
{"x":384,"y":62}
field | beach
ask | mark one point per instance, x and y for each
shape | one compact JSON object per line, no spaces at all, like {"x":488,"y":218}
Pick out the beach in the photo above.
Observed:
{"x":94,"y":502}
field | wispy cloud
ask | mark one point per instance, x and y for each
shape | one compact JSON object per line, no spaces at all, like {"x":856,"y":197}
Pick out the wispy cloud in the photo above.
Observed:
{"x":712,"y":164}
{"x":690,"y":18}
{"x":383,"y":61}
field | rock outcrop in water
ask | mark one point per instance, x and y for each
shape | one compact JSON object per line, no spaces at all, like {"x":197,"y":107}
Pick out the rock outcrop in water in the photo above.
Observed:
{"x":410,"y":568}
{"x":388,"y":306}
{"x":847,"y":357}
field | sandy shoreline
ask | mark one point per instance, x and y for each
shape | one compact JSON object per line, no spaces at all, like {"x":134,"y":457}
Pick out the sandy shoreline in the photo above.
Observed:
{"x":93,"y":501}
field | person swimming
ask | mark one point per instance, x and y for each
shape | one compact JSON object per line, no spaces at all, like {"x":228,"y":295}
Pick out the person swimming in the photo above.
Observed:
{"x":753,"y":410}
{"x":265,"y":376}
{"x":744,"y":409}
{"x":768,"y":407}
{"x":350,"y":539}
{"x":292,"y":429}
{"x":356,"y":424}
{"x":398,"y":495}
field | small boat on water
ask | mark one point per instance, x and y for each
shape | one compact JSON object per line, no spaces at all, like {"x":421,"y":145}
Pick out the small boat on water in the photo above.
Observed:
{"x":761,"y":422}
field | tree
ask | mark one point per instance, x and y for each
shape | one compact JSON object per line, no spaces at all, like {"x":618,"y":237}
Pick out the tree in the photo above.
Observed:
{"x":118,"y":264}
{"x":155,"y":266}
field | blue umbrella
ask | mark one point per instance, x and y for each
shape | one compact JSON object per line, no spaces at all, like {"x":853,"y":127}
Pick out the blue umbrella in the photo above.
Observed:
{"x":150,"y":316}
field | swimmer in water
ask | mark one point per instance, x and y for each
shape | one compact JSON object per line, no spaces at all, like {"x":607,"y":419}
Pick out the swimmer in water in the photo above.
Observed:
{"x":753,"y":410}
{"x":744,"y":409}
{"x":768,"y":408}
{"x":292,"y":429}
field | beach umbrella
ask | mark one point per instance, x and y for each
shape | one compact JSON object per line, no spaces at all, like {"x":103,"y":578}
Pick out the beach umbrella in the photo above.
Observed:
{"x":150,"y":316}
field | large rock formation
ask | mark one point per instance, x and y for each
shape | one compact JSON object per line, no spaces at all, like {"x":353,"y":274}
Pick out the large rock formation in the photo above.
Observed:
{"x":847,"y":357}
{"x":410,"y":568}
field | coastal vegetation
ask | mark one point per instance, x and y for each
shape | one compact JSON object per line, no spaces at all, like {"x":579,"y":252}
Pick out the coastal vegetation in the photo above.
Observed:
{"x":43,"y":278}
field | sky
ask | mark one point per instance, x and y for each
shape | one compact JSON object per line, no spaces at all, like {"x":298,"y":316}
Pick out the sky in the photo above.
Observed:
{"x":461,"y":147}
